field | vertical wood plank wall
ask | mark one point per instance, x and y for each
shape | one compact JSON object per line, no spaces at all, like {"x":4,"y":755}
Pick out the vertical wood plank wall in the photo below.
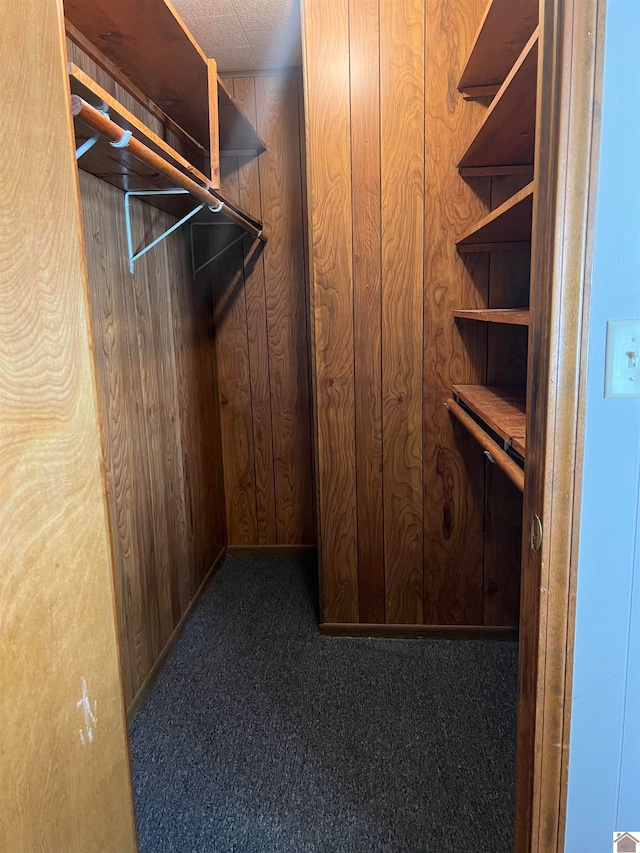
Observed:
{"x":261,"y":327}
{"x":65,"y":782}
{"x":154,"y":348}
{"x":412,"y":529}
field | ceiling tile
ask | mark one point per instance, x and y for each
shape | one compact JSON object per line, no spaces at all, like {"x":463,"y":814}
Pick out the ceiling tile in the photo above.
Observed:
{"x":245,"y":35}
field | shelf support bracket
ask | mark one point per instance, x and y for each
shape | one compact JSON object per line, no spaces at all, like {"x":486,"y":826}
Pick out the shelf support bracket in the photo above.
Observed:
{"x":133,"y":257}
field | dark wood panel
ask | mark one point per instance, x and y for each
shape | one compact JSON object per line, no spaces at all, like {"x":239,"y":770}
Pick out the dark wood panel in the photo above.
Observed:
{"x":325,"y":33}
{"x":402,"y":97}
{"x":226,"y":279}
{"x":280,"y":188}
{"x":367,"y":286}
{"x":257,"y":333}
{"x":154,"y":356}
{"x":453,"y":468}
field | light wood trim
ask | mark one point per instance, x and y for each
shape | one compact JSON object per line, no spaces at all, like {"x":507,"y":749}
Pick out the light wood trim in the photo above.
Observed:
{"x":65,"y":781}
{"x":143,"y":693}
{"x":504,"y":29}
{"x":511,"y":222}
{"x":214,"y":123}
{"x":419,"y":632}
{"x":567,"y":145}
{"x":510,"y":316}
{"x":496,"y":453}
{"x":86,"y":88}
{"x":99,"y":122}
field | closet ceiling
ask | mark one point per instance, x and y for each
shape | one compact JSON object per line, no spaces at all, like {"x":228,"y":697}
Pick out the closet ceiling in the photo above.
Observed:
{"x":245,"y":35}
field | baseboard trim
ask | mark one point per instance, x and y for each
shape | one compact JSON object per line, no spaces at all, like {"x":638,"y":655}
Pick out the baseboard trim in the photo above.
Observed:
{"x":418,"y":632}
{"x":270,"y":550}
{"x":139,"y":699}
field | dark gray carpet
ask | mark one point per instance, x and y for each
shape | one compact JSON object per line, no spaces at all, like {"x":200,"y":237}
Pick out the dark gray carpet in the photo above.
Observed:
{"x":259,"y":735}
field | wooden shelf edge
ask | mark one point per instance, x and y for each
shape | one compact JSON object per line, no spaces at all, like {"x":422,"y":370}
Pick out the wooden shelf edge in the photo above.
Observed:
{"x":501,"y":407}
{"x":525,"y":66}
{"x":475,"y":234}
{"x":508,"y":316}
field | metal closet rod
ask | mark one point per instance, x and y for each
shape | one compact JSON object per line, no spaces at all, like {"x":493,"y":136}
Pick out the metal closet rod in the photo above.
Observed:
{"x":123,"y":139}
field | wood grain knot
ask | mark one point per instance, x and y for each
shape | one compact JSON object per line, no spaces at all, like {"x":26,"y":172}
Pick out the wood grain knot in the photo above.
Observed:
{"x":331,"y":383}
{"x":224,"y":401}
{"x":113,"y":38}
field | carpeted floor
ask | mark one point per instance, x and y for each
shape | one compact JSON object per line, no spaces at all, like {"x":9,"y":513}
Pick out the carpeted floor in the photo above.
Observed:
{"x":260,"y":736}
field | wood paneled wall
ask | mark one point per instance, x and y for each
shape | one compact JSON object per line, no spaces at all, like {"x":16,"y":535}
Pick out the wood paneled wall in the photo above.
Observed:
{"x":412,"y":529}
{"x":65,"y":782}
{"x":261,"y":324}
{"x":154,"y":347}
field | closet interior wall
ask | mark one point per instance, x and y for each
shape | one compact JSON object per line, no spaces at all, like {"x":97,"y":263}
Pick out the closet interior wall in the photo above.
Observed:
{"x":415,"y":527}
{"x":155,"y":366}
{"x":261,"y":327}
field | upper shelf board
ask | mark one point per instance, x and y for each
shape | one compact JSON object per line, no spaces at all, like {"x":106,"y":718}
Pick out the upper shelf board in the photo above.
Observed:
{"x":502,"y":408}
{"x":506,"y":136}
{"x":508,"y":224}
{"x":505,"y":28}
{"x":150,"y":44}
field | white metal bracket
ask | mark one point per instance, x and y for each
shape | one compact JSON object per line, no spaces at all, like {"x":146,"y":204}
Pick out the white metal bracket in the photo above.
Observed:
{"x":133,"y":257}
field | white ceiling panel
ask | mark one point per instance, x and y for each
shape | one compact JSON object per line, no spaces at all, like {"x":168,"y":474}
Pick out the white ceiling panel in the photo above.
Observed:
{"x":245,"y":35}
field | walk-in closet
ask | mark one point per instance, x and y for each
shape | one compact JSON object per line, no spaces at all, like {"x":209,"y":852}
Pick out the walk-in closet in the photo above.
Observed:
{"x":292,"y":304}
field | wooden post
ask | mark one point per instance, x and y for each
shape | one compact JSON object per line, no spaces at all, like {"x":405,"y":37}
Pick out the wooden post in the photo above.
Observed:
{"x":65,"y":781}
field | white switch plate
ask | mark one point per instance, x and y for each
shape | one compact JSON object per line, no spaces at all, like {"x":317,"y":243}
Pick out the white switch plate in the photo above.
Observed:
{"x":622,"y":369}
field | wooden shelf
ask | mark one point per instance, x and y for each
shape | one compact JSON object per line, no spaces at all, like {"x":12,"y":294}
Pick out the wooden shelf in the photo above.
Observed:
{"x":148,"y":42}
{"x":501,"y":408}
{"x":510,"y":316}
{"x":506,"y":136}
{"x":508,"y":226}
{"x":139,"y":161}
{"x":505,"y":28}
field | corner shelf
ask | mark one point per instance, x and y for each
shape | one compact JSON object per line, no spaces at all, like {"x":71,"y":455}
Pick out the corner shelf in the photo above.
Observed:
{"x":506,"y":227}
{"x":506,"y":136}
{"x":236,"y":131}
{"x":149,"y":44}
{"x":510,"y":316}
{"x":501,"y":407}
{"x":505,"y":28}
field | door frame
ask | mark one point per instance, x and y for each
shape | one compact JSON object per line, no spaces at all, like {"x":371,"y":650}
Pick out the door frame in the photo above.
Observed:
{"x":570,"y":83}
